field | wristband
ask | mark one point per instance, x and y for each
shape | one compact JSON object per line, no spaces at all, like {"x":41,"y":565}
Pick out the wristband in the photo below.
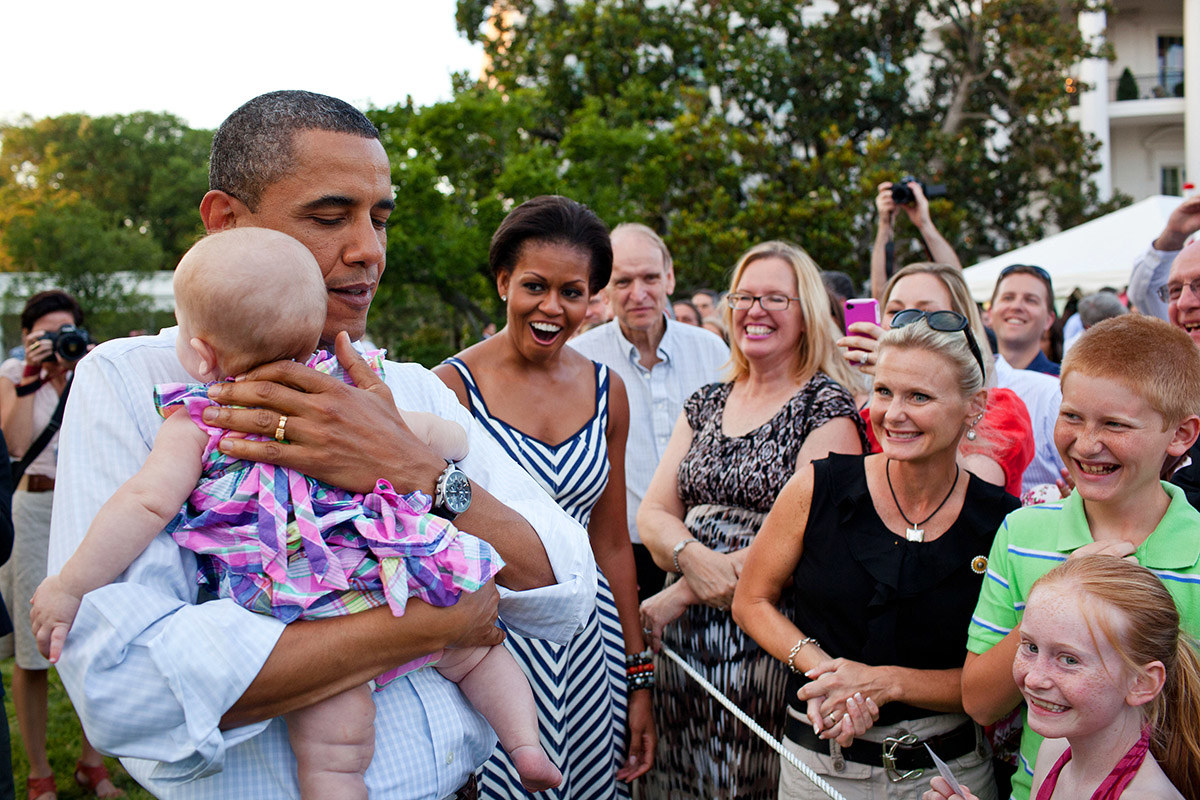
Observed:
{"x":26,"y":389}
{"x":31,"y":370}
{"x":679,"y":549}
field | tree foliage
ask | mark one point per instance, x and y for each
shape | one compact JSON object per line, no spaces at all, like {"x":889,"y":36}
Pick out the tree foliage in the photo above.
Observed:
{"x":83,"y":199}
{"x":720,"y":124}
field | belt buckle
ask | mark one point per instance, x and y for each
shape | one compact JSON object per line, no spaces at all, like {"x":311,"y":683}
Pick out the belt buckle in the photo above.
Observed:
{"x":890,"y":745}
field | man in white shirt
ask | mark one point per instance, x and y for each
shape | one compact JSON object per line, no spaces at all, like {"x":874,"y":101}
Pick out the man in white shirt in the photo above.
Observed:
{"x":661,"y":361}
{"x":1149,"y":277}
{"x":190,"y":694}
{"x":1042,"y":395}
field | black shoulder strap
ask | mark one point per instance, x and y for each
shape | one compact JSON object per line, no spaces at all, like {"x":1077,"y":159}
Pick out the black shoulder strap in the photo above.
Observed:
{"x":44,"y":437}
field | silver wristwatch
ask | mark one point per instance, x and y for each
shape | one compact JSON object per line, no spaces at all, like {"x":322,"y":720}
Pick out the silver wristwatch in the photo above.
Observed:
{"x":453,"y":494}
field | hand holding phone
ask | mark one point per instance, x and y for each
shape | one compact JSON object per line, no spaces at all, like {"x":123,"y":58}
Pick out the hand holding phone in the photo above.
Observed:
{"x":861,"y":310}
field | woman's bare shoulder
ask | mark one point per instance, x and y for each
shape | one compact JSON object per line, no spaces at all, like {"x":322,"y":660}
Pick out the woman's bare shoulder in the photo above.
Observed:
{"x":1151,"y":783}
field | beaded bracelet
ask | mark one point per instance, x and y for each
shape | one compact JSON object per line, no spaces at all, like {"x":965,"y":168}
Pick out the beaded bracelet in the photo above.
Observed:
{"x":639,"y":669}
{"x":796,"y":651}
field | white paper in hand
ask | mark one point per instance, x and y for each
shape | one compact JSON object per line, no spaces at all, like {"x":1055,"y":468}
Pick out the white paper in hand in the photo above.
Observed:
{"x":945,"y":772}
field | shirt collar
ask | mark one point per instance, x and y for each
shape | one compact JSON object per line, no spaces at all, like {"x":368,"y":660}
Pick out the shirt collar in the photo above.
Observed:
{"x":664,"y":346}
{"x":1174,"y":545}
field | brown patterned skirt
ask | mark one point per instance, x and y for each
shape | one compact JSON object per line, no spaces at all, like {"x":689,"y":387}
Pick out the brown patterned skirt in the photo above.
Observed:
{"x":703,"y":752}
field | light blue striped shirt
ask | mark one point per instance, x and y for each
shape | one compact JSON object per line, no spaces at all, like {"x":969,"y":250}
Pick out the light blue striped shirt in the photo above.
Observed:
{"x":691,"y":357}
{"x":151,"y":673}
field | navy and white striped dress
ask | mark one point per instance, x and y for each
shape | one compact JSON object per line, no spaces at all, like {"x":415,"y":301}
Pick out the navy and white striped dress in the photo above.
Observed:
{"x":580,"y":687}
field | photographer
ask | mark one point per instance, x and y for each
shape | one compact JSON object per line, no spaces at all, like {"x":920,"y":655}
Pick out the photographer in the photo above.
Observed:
{"x":917,"y":210}
{"x":32,"y":391}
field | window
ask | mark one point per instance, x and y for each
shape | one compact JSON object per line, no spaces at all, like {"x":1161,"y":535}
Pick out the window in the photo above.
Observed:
{"x":1171,"y":182}
{"x":1170,"y":66}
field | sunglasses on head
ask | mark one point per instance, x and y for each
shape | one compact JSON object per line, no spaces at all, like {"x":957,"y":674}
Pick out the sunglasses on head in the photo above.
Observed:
{"x":946,"y":322}
{"x":1026,"y":269}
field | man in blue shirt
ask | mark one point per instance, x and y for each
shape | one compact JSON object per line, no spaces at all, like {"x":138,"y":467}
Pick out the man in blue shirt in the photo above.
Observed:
{"x":661,"y":361}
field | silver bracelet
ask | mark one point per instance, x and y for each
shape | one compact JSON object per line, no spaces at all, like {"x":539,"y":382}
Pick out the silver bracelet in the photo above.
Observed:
{"x":679,"y":549}
{"x":796,"y":651}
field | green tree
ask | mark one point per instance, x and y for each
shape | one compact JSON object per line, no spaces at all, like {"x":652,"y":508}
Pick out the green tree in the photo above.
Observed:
{"x":806,"y":109}
{"x":75,"y":248}
{"x":143,"y":171}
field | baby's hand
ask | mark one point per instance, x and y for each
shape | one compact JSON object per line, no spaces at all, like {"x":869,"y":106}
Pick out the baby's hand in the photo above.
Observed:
{"x":54,"y":609}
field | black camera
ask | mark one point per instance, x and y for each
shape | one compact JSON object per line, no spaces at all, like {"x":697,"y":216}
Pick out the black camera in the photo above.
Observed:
{"x":69,"y":343}
{"x":903,"y":195}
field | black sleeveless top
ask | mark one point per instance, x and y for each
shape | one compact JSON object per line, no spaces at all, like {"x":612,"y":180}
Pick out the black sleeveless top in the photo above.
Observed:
{"x":871,"y":596}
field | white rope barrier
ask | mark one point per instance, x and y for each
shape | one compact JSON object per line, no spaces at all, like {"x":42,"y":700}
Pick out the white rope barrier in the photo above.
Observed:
{"x":754,"y":726}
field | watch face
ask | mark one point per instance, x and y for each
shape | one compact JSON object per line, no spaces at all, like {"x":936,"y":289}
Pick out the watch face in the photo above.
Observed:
{"x":457,"y":491}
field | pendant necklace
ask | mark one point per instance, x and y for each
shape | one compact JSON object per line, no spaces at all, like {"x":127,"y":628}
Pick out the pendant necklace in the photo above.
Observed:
{"x":914,"y":532}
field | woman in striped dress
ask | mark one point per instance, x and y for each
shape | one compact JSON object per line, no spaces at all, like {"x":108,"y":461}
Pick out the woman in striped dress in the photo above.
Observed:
{"x":564,"y":419}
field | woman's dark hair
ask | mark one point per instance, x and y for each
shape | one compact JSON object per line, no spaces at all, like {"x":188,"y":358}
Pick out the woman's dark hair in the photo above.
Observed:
{"x":48,"y":302}
{"x":552,"y":219}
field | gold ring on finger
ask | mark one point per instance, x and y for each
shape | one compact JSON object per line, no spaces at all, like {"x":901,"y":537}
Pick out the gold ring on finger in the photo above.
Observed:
{"x":279,"y":430}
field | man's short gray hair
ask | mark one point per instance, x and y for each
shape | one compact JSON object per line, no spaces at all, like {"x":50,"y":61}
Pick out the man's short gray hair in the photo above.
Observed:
{"x":253,"y":148}
{"x":1099,"y":306}
{"x":647,"y":232}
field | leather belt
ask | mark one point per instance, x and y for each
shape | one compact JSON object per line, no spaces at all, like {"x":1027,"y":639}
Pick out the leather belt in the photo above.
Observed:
{"x":468,"y":791}
{"x":902,"y":754}
{"x":36,"y":483}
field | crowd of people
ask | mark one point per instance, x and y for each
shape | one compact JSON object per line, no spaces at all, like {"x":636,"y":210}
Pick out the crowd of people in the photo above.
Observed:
{"x":926,"y":541}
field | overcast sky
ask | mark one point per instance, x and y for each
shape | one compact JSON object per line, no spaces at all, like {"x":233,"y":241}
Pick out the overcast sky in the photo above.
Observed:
{"x":201,"y":62}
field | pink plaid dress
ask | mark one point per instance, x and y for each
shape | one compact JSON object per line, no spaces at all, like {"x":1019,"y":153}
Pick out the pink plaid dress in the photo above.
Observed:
{"x":281,"y":543}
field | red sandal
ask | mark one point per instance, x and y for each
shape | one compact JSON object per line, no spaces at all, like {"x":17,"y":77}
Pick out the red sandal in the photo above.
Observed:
{"x":89,"y":777}
{"x":36,"y":787}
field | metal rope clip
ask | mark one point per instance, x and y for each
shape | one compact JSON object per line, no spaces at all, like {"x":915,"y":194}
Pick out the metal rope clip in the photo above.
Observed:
{"x":890,"y":745}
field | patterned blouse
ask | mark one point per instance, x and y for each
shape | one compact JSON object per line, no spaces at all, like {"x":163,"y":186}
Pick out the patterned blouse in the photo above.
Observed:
{"x":749,"y":471}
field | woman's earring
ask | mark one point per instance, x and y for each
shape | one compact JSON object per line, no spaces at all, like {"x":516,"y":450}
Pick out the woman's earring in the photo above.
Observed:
{"x":503,"y":298}
{"x":971,"y":434}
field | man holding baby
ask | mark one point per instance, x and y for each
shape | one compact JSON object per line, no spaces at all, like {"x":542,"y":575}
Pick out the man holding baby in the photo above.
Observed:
{"x":190,"y":693}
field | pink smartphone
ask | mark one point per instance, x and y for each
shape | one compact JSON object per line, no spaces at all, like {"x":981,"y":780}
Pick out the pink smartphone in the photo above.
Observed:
{"x":861,"y":310}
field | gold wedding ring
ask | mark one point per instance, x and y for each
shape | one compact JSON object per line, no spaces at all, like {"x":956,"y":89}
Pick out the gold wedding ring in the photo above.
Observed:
{"x":280,"y":427}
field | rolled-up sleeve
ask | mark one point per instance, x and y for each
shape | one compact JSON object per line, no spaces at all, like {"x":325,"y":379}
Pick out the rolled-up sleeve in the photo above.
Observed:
{"x":556,"y":612}
{"x":1150,"y":272}
{"x":149,"y":673}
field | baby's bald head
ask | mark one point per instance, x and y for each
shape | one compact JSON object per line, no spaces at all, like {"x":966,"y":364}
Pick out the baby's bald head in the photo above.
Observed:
{"x":255,"y":295}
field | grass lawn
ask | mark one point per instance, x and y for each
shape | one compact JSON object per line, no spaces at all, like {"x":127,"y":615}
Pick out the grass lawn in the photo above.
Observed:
{"x":63,"y":742}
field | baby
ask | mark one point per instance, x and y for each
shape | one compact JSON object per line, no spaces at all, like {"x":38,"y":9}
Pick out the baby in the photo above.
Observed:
{"x":278,"y":542}
{"x":1110,"y":681}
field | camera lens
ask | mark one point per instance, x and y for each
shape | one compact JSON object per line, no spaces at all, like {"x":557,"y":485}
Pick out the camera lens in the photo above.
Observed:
{"x":72,"y":343}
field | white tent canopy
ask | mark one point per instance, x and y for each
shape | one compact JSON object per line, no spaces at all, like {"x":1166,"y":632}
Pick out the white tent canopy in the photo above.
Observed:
{"x":1092,"y":255}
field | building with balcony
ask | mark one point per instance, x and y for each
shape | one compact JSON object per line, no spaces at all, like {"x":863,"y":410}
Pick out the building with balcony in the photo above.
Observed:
{"x":1139,"y":106}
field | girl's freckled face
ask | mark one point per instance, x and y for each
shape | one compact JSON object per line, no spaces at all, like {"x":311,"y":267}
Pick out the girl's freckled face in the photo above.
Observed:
{"x":1073,"y":679}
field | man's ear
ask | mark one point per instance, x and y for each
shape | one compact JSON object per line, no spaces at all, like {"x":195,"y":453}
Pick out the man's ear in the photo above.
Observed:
{"x":208,"y":359}
{"x":670,"y":282}
{"x":220,"y":211}
{"x":1185,"y":436}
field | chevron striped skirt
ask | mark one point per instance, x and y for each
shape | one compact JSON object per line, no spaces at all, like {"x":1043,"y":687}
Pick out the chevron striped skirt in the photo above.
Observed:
{"x":580,"y":694}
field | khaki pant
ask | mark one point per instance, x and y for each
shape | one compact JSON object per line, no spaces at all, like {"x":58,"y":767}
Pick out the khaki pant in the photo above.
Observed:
{"x":864,"y":782}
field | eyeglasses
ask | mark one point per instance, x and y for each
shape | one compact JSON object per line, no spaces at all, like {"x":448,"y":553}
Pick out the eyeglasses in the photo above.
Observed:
{"x":1173,"y":291}
{"x":768,"y":302}
{"x":946,"y":322}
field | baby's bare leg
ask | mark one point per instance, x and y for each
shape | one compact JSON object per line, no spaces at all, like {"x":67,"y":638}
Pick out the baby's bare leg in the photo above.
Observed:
{"x":494,"y":683}
{"x":334,"y":741}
